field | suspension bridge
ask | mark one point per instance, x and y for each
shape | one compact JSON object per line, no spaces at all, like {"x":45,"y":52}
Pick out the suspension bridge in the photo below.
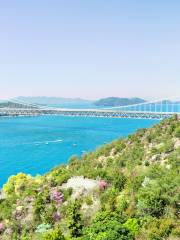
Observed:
{"x":159,"y":109}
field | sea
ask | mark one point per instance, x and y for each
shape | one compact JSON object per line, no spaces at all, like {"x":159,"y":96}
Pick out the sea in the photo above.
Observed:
{"x":35,"y":145}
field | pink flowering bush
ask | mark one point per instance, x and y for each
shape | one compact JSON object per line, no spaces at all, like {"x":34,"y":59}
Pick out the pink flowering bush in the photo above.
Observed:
{"x":57,"y":196}
{"x":1,"y":227}
{"x":56,"y":216}
{"x":103,"y":185}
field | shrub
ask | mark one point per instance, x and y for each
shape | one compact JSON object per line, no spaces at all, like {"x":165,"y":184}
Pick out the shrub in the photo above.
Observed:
{"x":57,"y":196}
{"x":75,"y":220}
{"x":121,"y":203}
{"x":146,"y":163}
{"x":119,"y":181}
{"x":17,"y":184}
{"x":2,"y":227}
{"x":151,"y":202}
{"x":56,"y":234}
{"x":42,"y":228}
{"x":159,"y":229}
{"x":107,"y":226}
{"x":103,"y":185}
{"x":132,"y":225}
{"x":177,"y":132}
{"x":89,"y":201}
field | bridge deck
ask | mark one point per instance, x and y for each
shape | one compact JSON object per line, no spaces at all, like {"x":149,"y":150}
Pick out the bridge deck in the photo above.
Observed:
{"x":86,"y":113}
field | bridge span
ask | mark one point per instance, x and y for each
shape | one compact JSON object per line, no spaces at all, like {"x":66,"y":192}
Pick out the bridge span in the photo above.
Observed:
{"x":86,"y":113}
{"x":148,"y":110}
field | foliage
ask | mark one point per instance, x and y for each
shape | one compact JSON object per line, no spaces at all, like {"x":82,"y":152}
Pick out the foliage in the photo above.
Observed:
{"x":132,"y":225}
{"x":107,"y":226}
{"x":160,"y":229}
{"x":151,"y":201}
{"x":75,"y":220}
{"x":55,"y":234}
{"x":177,"y":132}
{"x":17,"y":184}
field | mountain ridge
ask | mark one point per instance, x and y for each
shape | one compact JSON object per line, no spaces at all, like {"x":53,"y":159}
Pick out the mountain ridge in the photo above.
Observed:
{"x":116,"y":101}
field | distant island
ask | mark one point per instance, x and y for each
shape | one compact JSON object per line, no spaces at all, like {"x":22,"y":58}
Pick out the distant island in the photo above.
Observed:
{"x":115,"y":101}
{"x":52,"y":100}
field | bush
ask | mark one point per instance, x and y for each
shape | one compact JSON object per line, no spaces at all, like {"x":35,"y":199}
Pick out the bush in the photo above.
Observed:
{"x":18,"y":184}
{"x":160,"y":229}
{"x":177,"y":132}
{"x":54,"y":235}
{"x":107,"y":226}
{"x":146,"y":163}
{"x":89,"y":201}
{"x":119,"y":181}
{"x":151,"y":202}
{"x":132,"y":225}
{"x":121,"y":203}
{"x":75,"y":220}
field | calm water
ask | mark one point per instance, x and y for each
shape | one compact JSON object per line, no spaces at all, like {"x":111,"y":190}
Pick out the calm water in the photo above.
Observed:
{"x":36,"y":144}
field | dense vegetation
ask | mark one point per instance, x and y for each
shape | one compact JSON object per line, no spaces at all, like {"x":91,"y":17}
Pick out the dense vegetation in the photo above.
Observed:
{"x":114,"y":101}
{"x":135,"y":193}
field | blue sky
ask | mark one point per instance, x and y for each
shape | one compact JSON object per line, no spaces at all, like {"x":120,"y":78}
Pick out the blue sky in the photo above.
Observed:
{"x":90,"y":49}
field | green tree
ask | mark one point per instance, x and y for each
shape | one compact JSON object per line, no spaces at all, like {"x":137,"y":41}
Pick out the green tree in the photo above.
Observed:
{"x":75,"y":220}
{"x":107,"y":226}
{"x":151,"y":201}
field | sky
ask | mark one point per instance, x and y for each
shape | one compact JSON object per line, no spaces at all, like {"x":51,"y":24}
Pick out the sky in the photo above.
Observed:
{"x":90,"y":49}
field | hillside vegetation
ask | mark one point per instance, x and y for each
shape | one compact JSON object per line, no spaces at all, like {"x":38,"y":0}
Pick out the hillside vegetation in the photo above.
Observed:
{"x":128,"y":189}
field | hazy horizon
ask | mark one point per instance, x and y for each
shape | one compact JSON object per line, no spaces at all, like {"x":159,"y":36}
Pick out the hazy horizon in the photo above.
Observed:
{"x":90,"y":49}
{"x":74,"y":98}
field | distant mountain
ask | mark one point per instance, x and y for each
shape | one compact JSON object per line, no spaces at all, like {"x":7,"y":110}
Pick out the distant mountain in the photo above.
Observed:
{"x":114,"y":101}
{"x":51,"y":100}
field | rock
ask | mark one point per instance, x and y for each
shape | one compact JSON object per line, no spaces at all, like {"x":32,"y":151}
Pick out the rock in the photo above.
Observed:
{"x":2,"y":195}
{"x":155,"y":158}
{"x":176,"y":143}
{"x":102,"y":159}
{"x":19,"y":208}
{"x":146,"y":181}
{"x":81,"y":186}
{"x":29,"y":199}
{"x":89,"y":211}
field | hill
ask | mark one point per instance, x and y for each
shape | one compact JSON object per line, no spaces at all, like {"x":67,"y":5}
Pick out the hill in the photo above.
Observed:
{"x":128,"y":189}
{"x":113,"y":101}
{"x":52,"y":100}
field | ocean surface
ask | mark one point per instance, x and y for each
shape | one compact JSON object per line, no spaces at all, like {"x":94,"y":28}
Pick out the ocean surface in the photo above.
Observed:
{"x":35,"y":145}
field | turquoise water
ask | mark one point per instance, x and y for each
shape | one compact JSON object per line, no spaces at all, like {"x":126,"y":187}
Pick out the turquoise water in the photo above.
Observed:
{"x":36,"y":144}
